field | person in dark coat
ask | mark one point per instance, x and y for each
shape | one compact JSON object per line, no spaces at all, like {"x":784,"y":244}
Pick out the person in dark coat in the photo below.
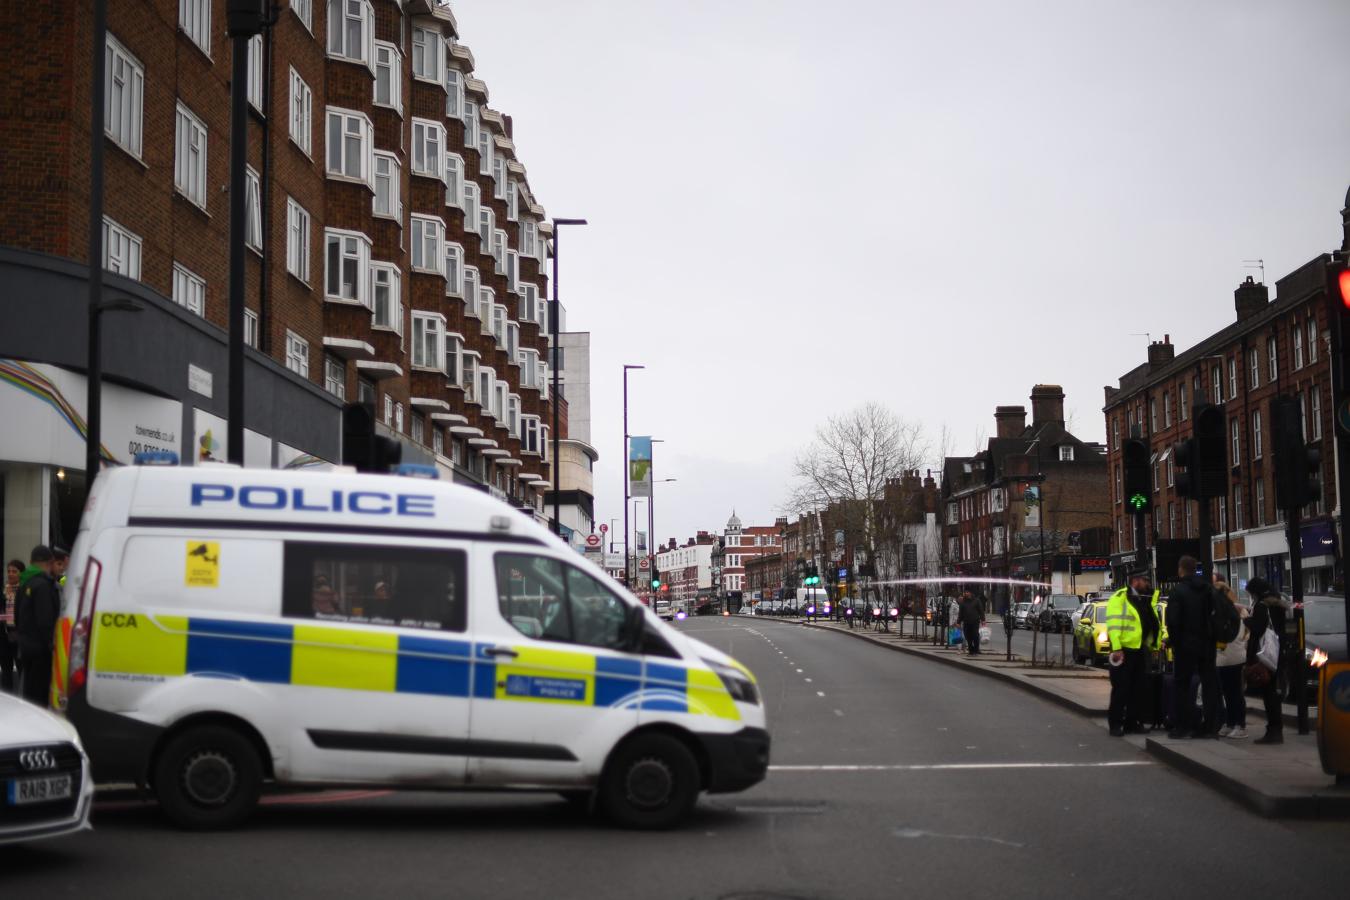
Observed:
{"x":1193,"y":651}
{"x":1268,"y":611}
{"x":38,"y":608}
{"x":970,"y":612}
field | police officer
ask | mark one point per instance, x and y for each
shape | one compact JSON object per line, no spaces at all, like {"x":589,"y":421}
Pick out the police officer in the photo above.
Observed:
{"x":39,"y":605}
{"x":1132,"y":627}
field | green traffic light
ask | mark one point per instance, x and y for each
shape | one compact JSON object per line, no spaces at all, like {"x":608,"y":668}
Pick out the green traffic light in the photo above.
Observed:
{"x":656,"y":583}
{"x":1138,"y":502}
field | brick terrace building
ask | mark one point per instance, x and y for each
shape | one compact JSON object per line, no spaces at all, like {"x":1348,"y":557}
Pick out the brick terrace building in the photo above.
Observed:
{"x":1272,"y":348}
{"x":396,"y":255}
{"x":737,"y":547}
{"x":687,"y":568}
{"x":985,"y":510}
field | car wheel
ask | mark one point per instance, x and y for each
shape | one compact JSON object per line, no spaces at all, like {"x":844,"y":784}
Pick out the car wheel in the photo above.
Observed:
{"x":208,"y":778}
{"x":651,"y":782}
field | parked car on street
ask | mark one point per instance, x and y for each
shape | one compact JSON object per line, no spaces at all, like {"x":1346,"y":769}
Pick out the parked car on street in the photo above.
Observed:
{"x":45,"y":788}
{"x":1091,"y":645}
{"x":1323,"y":636}
{"x":1020,"y":611}
{"x":1057,"y":613}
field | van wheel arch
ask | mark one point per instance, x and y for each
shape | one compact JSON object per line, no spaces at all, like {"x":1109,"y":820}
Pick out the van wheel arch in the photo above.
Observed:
{"x":683,"y":735}
{"x":225,"y":720}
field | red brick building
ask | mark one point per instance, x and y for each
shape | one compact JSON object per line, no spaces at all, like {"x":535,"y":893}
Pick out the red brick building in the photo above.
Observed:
{"x":397,"y":253}
{"x":1272,"y":348}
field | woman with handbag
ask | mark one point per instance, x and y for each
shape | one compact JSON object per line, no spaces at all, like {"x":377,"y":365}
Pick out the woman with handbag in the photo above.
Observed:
{"x":1230,"y":662}
{"x":1265,"y":654}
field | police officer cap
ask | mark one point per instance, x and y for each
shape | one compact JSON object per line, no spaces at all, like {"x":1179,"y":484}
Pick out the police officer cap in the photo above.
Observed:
{"x":41,"y":553}
{"x":1142,"y":573}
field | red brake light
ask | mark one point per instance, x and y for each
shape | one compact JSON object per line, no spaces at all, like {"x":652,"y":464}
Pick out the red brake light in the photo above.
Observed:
{"x":82,"y":632}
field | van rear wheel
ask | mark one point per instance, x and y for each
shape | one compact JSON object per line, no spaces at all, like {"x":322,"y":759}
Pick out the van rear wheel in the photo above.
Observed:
{"x":208,"y":778}
{"x":651,"y":782}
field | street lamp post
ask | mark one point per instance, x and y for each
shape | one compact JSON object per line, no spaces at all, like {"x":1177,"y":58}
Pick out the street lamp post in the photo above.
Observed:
{"x":627,"y":566}
{"x":553,"y":334}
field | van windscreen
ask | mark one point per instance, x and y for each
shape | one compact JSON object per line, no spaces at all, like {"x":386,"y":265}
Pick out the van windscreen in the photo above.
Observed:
{"x":404,"y":587}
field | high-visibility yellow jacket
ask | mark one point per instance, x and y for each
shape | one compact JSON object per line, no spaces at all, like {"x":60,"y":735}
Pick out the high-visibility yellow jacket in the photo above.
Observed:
{"x":1123,"y":626}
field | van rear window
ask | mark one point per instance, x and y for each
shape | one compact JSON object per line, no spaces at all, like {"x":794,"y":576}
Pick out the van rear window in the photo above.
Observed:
{"x":403,"y":587}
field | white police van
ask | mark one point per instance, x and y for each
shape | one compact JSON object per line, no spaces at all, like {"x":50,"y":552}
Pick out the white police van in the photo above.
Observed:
{"x":225,"y":628}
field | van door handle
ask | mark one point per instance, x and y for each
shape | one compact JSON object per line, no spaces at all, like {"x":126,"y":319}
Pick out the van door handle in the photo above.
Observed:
{"x":501,"y":651}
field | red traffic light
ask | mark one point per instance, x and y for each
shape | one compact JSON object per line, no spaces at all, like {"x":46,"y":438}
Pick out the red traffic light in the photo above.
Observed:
{"x":1344,"y":279}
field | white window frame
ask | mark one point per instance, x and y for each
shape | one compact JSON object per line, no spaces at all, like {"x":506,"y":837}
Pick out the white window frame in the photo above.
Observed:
{"x":428,"y":341}
{"x":529,"y":236}
{"x":363,"y":133}
{"x":1066,"y":453}
{"x":428,"y":45}
{"x":454,"y":180}
{"x":1315,"y":407}
{"x":1254,"y":363}
{"x":124,"y":97}
{"x":500,"y":181}
{"x":1312,"y":339}
{"x":487,"y":224}
{"x":251,"y":328}
{"x":1235,"y":436}
{"x":472,"y":202}
{"x":302,"y":114}
{"x":487,"y":298}
{"x":353,"y":246}
{"x":1272,"y":358}
{"x":513,"y":414}
{"x":340,"y":43}
{"x":428,"y":240}
{"x":390,"y":62}
{"x":486,"y":147}
{"x":121,"y":250}
{"x":499,"y":250}
{"x":304,"y":10}
{"x":189,"y":156}
{"x":388,"y":315}
{"x":297,"y":354}
{"x":1296,"y":332}
{"x":469,"y":363}
{"x":253,"y":211}
{"x":470,"y":124}
{"x":390,"y":181}
{"x":487,"y":384}
{"x":1256,"y":435}
{"x":1232,"y":376}
{"x":189,"y":289}
{"x":454,"y":269}
{"x":297,"y":240}
{"x":335,"y":376}
{"x":427,"y":157}
{"x":470,"y":291}
{"x":454,"y":358}
{"x":194,"y":20}
{"x":454,"y":91}
{"x":254,"y":79}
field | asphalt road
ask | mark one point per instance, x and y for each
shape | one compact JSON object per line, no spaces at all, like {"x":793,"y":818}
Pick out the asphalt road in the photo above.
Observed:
{"x":892,"y":776}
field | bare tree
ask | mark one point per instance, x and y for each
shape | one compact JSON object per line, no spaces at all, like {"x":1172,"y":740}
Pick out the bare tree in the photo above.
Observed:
{"x":847,"y":467}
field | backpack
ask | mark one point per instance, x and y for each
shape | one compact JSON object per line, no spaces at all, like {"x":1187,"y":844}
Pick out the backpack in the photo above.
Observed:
{"x":1224,"y":621}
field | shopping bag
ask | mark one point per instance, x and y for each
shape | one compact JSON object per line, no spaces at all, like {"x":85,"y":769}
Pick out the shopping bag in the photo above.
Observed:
{"x":986,"y":634}
{"x":954,"y":636}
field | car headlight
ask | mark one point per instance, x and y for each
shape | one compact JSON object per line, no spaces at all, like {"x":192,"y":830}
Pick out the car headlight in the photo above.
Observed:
{"x":1102,"y":638}
{"x":738,"y":686}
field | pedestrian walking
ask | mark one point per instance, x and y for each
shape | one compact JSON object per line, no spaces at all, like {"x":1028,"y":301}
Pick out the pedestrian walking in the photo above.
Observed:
{"x":9,"y":599}
{"x":35,"y":620}
{"x":1132,"y":628}
{"x":1269,"y":611}
{"x":970,"y":612}
{"x":1229,"y":663}
{"x":1189,"y":606}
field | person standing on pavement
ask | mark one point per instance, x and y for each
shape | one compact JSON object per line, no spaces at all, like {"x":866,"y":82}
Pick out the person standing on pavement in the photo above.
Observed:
{"x":970,"y":611}
{"x":1193,"y":649}
{"x":8,"y":649}
{"x":1231,"y":659}
{"x":35,"y":620}
{"x":1268,"y":611}
{"x":1132,"y":628}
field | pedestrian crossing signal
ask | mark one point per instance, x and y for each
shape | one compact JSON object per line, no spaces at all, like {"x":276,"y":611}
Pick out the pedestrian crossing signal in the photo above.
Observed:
{"x":1138,"y":502}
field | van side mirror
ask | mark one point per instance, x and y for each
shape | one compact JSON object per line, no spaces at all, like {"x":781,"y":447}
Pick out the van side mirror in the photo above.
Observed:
{"x":634,"y":625}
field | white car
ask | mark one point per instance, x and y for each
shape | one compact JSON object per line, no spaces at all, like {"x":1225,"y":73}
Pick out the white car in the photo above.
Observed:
{"x":45,"y":788}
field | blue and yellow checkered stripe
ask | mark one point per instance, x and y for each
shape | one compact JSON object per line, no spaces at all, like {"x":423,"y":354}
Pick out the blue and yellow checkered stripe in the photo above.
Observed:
{"x":372,"y":659}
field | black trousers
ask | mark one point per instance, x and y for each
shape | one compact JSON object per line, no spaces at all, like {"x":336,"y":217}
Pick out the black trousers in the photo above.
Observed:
{"x":35,"y":678}
{"x":972,"y":636}
{"x":1129,"y":683}
{"x":1270,"y":697}
{"x":1234,"y":703}
{"x":1188,"y":665}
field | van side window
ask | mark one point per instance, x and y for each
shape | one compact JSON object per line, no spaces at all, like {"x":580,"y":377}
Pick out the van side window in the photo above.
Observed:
{"x":543,"y":598}
{"x":404,"y":587}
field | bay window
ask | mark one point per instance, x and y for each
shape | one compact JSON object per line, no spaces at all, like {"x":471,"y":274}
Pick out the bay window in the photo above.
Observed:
{"x":387,"y":312}
{"x":428,"y":147}
{"x":428,"y":244}
{"x":428,"y":55}
{"x":351,"y":145}
{"x":346,"y":267}
{"x":454,"y":270}
{"x":387,"y":203}
{"x":351,"y":30}
{"x":388,"y":76}
{"x":428,"y":340}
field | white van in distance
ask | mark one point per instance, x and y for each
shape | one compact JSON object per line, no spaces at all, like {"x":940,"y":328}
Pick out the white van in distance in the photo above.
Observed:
{"x":225,"y":628}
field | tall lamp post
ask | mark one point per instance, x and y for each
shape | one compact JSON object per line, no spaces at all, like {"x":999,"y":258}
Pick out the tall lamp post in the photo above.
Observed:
{"x":553,"y":334}
{"x":627,"y":566}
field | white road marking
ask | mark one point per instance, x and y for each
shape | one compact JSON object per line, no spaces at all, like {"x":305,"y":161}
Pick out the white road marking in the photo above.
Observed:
{"x":838,"y":712}
{"x":918,"y":833}
{"x":808,"y":681}
{"x":820,"y":693}
{"x":940,"y":767}
{"x":799,"y":671}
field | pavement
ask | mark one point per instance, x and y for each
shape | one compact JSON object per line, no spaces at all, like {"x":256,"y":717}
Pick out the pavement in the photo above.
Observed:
{"x":1284,"y":781}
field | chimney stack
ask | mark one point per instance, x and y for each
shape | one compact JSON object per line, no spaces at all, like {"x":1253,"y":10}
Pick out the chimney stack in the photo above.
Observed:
{"x":1250,"y":298}
{"x":1010,"y":421}
{"x":1047,"y":404}
{"x":1161,"y":352}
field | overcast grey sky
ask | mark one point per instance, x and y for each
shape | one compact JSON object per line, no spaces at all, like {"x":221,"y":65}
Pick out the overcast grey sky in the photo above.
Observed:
{"x":798,"y":207}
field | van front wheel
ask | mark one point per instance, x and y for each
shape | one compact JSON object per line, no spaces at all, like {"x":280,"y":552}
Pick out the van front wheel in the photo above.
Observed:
{"x":208,"y":778}
{"x":651,"y":782}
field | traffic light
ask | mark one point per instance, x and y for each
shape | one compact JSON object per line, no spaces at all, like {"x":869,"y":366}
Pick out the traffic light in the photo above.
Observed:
{"x":1186,"y":461}
{"x":656,"y":579}
{"x":1138,"y":475}
{"x":1202,"y":459}
{"x":362,"y":448}
{"x":1298,"y":466}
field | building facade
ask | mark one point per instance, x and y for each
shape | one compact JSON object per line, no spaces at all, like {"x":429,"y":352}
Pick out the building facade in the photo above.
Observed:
{"x":686,"y":570}
{"x":396,"y":252}
{"x":1272,"y":348}
{"x":576,"y":454}
{"x":1024,"y":507}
